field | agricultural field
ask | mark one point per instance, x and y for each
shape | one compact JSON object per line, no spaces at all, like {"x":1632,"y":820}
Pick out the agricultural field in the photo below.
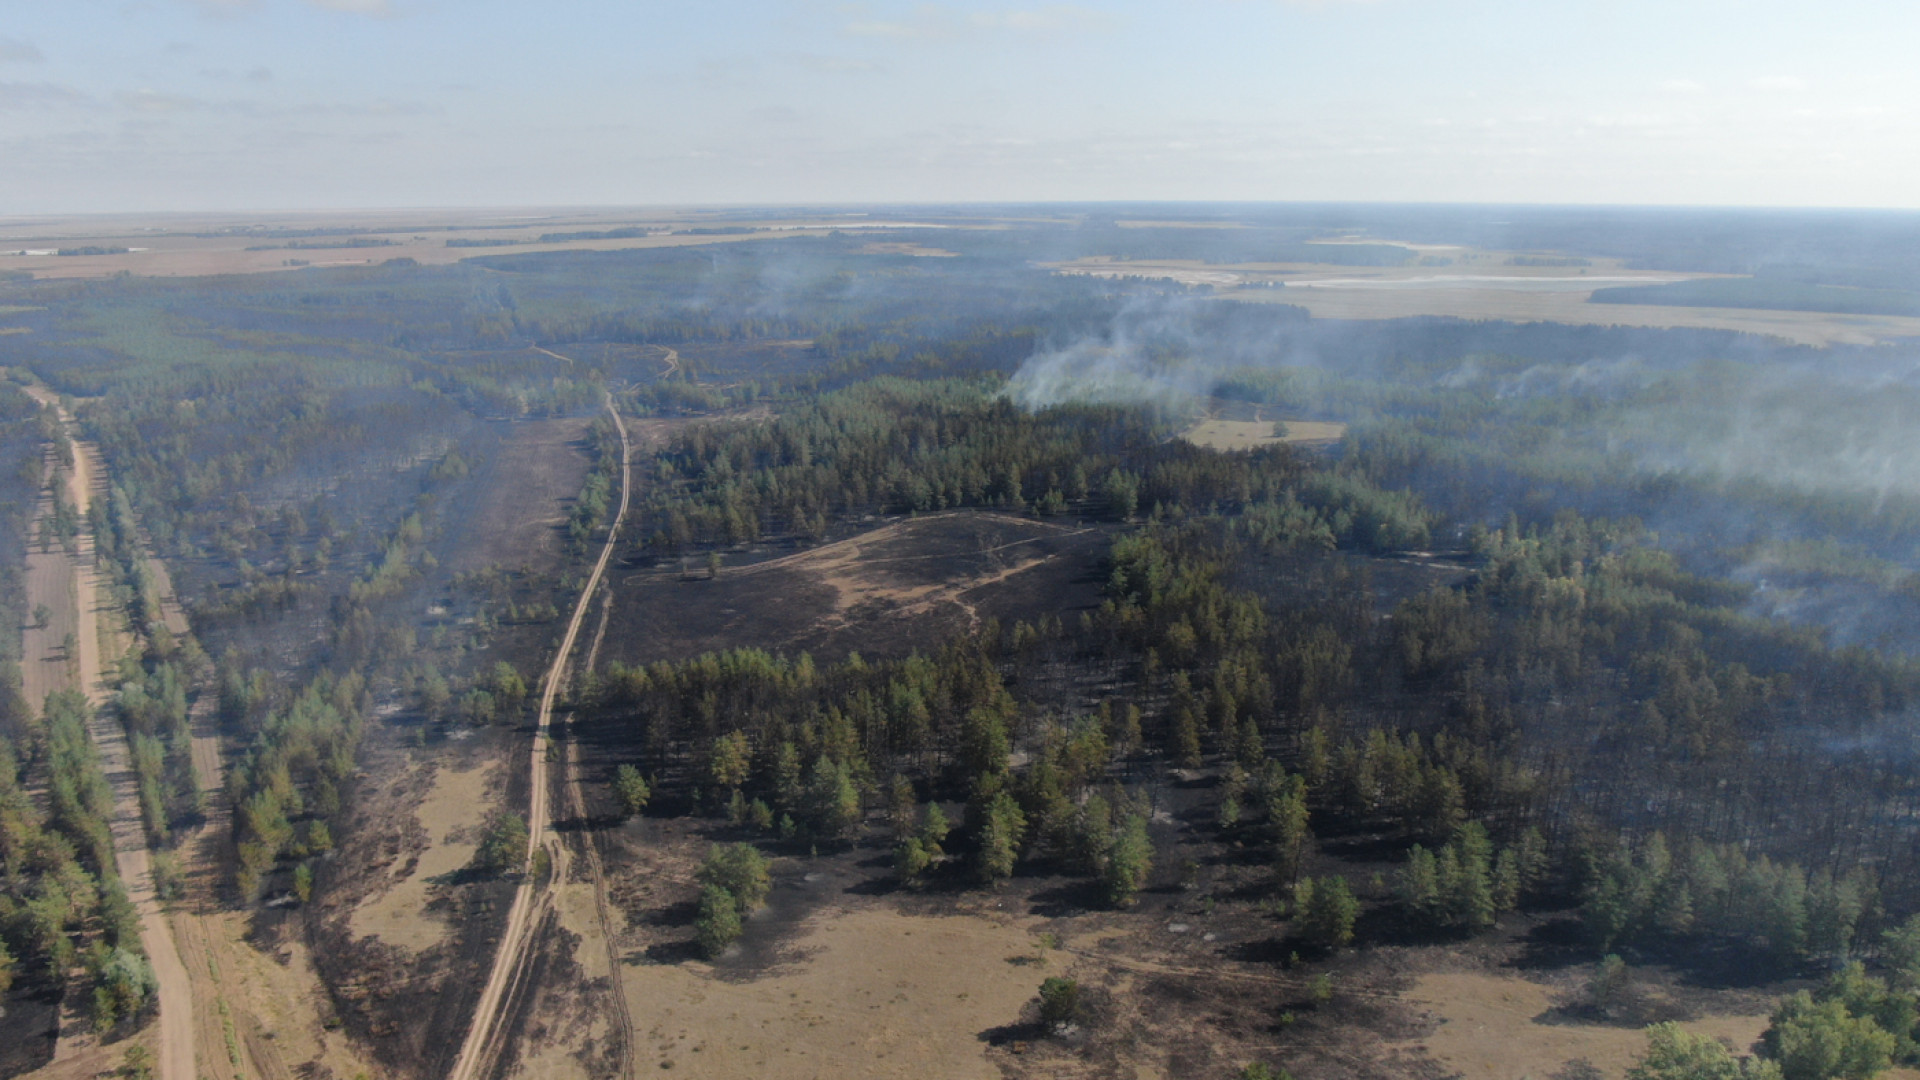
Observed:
{"x":716,"y":643}
{"x":1488,"y":286}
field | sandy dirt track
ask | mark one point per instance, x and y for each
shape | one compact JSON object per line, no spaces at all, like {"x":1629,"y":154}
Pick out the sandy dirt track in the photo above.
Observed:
{"x":176,"y":1050}
{"x":481,"y":1044}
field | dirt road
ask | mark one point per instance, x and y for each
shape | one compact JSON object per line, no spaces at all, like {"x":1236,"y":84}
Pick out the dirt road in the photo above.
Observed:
{"x":175,"y":994}
{"x":509,"y":960}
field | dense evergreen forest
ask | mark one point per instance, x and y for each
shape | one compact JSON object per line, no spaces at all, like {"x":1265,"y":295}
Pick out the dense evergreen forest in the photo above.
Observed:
{"x":1664,"y":682}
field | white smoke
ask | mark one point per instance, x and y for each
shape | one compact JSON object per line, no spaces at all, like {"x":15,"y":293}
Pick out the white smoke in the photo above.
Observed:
{"x":1099,"y":373}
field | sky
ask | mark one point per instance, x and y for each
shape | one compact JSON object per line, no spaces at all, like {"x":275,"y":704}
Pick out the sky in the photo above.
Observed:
{"x":154,"y":105}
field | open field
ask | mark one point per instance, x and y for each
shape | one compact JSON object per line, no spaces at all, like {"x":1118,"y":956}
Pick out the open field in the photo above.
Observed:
{"x":518,"y":516}
{"x":1503,"y":1027}
{"x":885,"y":592}
{"x":1247,"y":434}
{"x":846,"y":974}
{"x":873,"y":992}
{"x":185,"y":245}
{"x":449,"y":815}
{"x":1482,"y":286}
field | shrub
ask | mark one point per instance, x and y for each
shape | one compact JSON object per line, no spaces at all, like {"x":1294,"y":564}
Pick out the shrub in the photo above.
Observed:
{"x":1059,"y":1002}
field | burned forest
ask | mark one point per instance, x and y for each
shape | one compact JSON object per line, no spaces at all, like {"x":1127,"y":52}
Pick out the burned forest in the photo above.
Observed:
{"x":1106,"y":640}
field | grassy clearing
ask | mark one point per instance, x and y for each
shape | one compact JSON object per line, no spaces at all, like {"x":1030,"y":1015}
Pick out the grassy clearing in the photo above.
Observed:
{"x":451,"y":814}
{"x":1495,"y":1027}
{"x":1247,"y":434}
{"x":880,"y":994}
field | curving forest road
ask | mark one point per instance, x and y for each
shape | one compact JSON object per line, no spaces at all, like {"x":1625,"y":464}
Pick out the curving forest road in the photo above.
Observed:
{"x":510,"y":959}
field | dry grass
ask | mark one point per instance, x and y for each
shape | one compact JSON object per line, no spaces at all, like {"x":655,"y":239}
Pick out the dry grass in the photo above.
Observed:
{"x":1491,"y":1029}
{"x":451,"y":814}
{"x":879,"y":994}
{"x":1247,"y":434}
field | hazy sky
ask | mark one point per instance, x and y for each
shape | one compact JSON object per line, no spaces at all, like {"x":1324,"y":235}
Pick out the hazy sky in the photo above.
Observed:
{"x":256,"y":104}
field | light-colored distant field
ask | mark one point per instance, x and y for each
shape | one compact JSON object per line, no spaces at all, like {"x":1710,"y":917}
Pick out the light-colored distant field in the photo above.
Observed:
{"x":1479,"y":285}
{"x":166,"y":245}
{"x":881,"y":247}
{"x":1247,"y":434}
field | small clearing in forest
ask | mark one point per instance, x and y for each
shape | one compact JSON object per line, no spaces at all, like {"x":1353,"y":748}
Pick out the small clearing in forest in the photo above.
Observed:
{"x":1247,"y":434}
{"x":879,"y":994}
{"x":451,"y":814}
{"x":1498,"y":1027}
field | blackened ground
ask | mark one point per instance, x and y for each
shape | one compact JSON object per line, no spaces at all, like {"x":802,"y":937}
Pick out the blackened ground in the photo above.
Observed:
{"x":902,"y":585}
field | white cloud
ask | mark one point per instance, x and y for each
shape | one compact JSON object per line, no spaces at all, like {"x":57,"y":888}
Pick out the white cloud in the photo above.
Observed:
{"x":882,"y":29}
{"x":377,"y":8}
{"x":776,"y":114}
{"x":223,"y":7}
{"x":834,"y":64}
{"x":15,"y":51}
{"x":1683,"y":86}
{"x":1044,"y":20}
{"x":16,"y":95}
{"x":935,"y":21}
{"x":155,"y":101}
{"x":1784,"y":83}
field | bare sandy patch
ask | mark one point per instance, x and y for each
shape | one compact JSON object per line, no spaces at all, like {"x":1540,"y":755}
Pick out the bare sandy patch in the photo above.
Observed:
{"x":1247,"y":434}
{"x":879,"y":994}
{"x":1491,"y":1029}
{"x":451,"y":814}
{"x":270,"y":1004}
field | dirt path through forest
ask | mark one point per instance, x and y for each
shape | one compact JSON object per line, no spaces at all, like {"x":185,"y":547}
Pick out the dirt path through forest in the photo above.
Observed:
{"x":175,"y":993}
{"x":484,"y":1033}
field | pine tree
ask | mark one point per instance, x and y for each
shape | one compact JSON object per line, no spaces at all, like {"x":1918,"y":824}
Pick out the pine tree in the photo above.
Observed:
{"x":999,"y":839}
{"x":1129,"y":859}
{"x":631,"y":791}
{"x":1327,"y":911}
{"x":718,"y":923}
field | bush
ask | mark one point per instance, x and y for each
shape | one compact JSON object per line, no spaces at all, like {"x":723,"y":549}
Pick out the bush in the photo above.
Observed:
{"x":1327,"y":911}
{"x":1673,"y":1053}
{"x":1608,"y":981}
{"x":1059,"y":1002}
{"x":718,"y":924}
{"x":503,"y":846}
{"x":1129,"y":860}
{"x":1824,"y":1041}
{"x":631,"y":789}
{"x":741,"y":871}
